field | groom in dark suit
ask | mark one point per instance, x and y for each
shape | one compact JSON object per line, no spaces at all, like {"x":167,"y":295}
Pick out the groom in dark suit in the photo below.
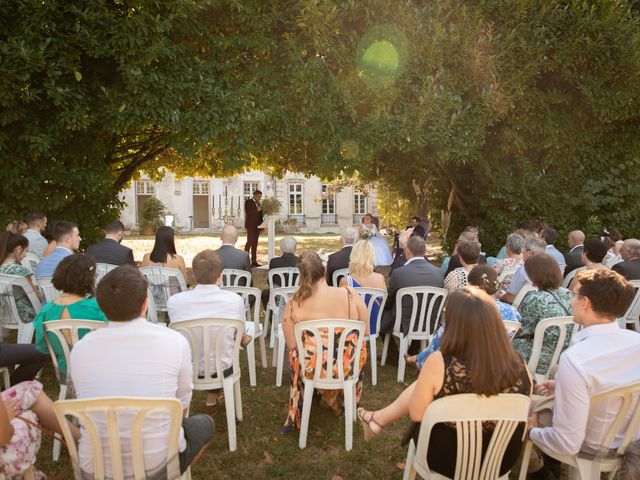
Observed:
{"x":253,"y":218}
{"x":416,"y":272}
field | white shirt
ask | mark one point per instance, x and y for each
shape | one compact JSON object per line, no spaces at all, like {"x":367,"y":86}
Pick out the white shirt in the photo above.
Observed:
{"x":37,"y":243}
{"x":208,"y":301}
{"x":132,"y":359}
{"x":604,"y":357}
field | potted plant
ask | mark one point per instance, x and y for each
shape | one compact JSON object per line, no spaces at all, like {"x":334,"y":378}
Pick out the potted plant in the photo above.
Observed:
{"x":153,"y":212}
{"x":270,"y":206}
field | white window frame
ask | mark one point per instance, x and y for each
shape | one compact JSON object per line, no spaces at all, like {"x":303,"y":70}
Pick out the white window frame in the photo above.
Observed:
{"x":294,"y":192}
{"x":145,"y":187}
{"x":201,"y":187}
{"x":357,"y":202}
{"x":247,"y":193}
{"x":328,"y":203}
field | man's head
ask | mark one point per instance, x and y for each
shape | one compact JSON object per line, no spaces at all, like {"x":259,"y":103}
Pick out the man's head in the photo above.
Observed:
{"x":416,"y":247}
{"x":534,"y":246}
{"x":229,"y":234}
{"x":630,"y":249}
{"x":601,"y":296}
{"x":66,"y":234}
{"x":122,"y":294}
{"x":469,"y":252}
{"x":114,"y":230}
{"x":257,"y":195}
{"x":550,"y":235}
{"x":575,"y":238}
{"x":349,"y":236}
{"x":37,"y":221}
{"x":415,"y":221}
{"x":594,"y":250}
{"x":207,"y":267}
{"x":288,"y":244}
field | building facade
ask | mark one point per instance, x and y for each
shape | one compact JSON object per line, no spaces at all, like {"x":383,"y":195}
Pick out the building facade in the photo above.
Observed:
{"x":201,"y":204}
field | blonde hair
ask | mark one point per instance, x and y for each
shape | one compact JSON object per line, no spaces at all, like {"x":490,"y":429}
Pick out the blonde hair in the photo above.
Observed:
{"x":362,"y":258}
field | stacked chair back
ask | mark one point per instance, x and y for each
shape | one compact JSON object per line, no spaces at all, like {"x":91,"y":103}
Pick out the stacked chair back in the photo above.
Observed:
{"x":507,"y":272}
{"x":566,"y":328}
{"x":567,"y":280}
{"x":371,"y":298}
{"x":325,"y":376}
{"x":512,"y":327}
{"x":232,"y":277}
{"x":152,"y":311}
{"x":30,"y":261}
{"x":341,"y":272}
{"x":9,"y":284}
{"x":102,"y":269}
{"x":526,"y":288}
{"x":468,"y":411}
{"x":287,"y":277}
{"x":50,"y":292}
{"x":105,"y":436}
{"x":164,"y":282}
{"x":205,"y":335}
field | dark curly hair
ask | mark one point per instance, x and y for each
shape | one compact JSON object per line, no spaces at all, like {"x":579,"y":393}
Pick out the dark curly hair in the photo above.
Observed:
{"x":76,"y":274}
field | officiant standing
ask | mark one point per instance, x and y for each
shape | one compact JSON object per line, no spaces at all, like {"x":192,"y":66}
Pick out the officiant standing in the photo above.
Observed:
{"x":253,"y":218}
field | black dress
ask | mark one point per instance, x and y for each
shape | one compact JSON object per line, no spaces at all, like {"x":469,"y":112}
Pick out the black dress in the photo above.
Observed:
{"x":442,"y":452}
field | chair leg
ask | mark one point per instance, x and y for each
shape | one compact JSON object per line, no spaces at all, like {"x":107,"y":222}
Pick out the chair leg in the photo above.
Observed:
{"x":401,"y":363}
{"x":251,"y":359}
{"x":229,"y":406}
{"x":525,"y":460}
{"x":373,"y":359}
{"x":274,"y":346}
{"x":263,"y":351}
{"x":348,"y":416}
{"x":57,"y":446}
{"x":306,"y":411}
{"x":280,"y":365}
{"x":5,"y":378}
{"x":409,"y":471}
{"x":237,"y":398}
{"x":385,"y":346}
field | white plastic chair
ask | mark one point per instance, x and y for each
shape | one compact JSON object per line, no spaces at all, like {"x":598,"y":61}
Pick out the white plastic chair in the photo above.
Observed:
{"x":335,"y":277}
{"x":330,"y":380}
{"x":526,"y":288}
{"x":507,"y":272}
{"x":468,"y":411}
{"x":567,"y":280}
{"x":375,"y":295}
{"x":632,"y":315}
{"x":273,"y":309}
{"x":562,"y":323}
{"x":107,"y":437}
{"x":279,"y":297}
{"x":232,"y":277}
{"x":4,"y":371}
{"x":423,"y":322}
{"x":7,"y":282}
{"x":252,"y":328}
{"x":287,"y":277}
{"x":203,"y":335}
{"x":30,"y":261}
{"x":164,"y":282}
{"x":102,"y":269}
{"x":67,"y":332}
{"x":626,"y":424}
{"x":152,"y":311}
{"x":49,"y":291}
{"x":512,"y":327}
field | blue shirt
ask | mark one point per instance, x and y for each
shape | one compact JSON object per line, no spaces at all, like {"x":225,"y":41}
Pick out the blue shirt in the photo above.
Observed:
{"x":557,"y":256}
{"x":48,"y":264}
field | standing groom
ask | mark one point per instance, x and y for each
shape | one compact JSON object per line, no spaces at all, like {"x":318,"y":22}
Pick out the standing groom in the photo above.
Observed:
{"x":253,"y":218}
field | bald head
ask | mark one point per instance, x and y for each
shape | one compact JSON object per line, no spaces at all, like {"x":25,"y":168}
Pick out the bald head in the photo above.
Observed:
{"x":630,"y":249}
{"x":229,"y":234}
{"x":575,"y":238}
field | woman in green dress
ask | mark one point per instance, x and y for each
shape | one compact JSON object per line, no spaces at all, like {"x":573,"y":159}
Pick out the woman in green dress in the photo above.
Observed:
{"x":75,"y":277}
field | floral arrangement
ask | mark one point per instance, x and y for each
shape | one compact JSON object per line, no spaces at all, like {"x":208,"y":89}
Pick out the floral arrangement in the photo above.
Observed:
{"x":366,"y":234}
{"x":270,"y":206}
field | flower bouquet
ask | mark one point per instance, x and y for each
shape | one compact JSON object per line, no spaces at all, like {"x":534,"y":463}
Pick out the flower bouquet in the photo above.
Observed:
{"x":366,"y":234}
{"x":270,"y":206}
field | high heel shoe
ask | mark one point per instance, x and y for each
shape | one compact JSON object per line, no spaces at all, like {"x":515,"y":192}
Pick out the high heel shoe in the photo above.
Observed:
{"x":370,"y":427}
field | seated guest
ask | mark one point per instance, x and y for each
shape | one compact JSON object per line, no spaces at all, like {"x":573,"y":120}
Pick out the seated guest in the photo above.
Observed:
{"x":485,"y":278}
{"x":48,"y":234}
{"x":602,"y":358}
{"x":67,"y":238}
{"x":551,"y":300}
{"x":532,"y":246}
{"x":207,"y":299}
{"x":287,"y":259}
{"x":418,"y":229}
{"x":470,"y":234}
{"x":629,"y":268}
{"x":164,"y":252}
{"x":25,"y":355}
{"x":232,"y":257}
{"x":361,"y":274}
{"x":468,"y":252}
{"x":314,"y":300}
{"x":593,"y":254}
{"x":135,"y":358}
{"x":613,"y":239}
{"x":550,"y":236}
{"x":109,"y":249}
{"x":13,"y":248}
{"x":37,"y":223}
{"x":400,"y":258}
{"x":20,"y":440}
{"x":17,"y":226}
{"x":513,"y":256}
{"x":75,"y":277}
{"x":475,"y":357}
{"x":340,"y":259}
{"x":573,"y":258}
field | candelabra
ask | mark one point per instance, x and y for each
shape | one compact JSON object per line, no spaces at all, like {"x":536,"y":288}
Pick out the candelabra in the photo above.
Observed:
{"x":225,"y":210}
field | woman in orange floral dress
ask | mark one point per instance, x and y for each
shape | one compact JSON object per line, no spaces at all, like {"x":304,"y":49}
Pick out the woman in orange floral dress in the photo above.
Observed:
{"x":314,"y":300}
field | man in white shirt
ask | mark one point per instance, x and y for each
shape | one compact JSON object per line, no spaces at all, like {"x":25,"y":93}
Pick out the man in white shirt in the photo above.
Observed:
{"x":134,"y":358}
{"x":37,"y":222}
{"x":208,"y":300}
{"x":602,"y":358}
{"x":532,"y":246}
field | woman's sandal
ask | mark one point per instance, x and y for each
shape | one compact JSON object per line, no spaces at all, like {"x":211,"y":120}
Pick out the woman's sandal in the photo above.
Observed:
{"x":370,"y":427}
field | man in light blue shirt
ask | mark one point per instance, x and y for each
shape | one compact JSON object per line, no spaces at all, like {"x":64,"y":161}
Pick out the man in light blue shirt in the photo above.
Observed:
{"x":550,"y":236}
{"x":67,"y":236}
{"x":37,"y":222}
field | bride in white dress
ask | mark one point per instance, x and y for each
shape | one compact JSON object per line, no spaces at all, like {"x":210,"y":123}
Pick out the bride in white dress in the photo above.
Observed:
{"x":380,"y":245}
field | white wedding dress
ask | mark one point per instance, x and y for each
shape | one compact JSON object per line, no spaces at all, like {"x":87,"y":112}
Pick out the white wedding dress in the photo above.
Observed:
{"x":380,"y":246}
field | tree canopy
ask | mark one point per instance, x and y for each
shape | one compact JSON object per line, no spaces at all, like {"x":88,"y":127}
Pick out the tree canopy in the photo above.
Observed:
{"x":521,"y":108}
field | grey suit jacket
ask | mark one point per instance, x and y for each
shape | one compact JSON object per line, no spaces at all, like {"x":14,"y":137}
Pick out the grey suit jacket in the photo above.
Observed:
{"x":234,"y":258}
{"x":573,"y":259}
